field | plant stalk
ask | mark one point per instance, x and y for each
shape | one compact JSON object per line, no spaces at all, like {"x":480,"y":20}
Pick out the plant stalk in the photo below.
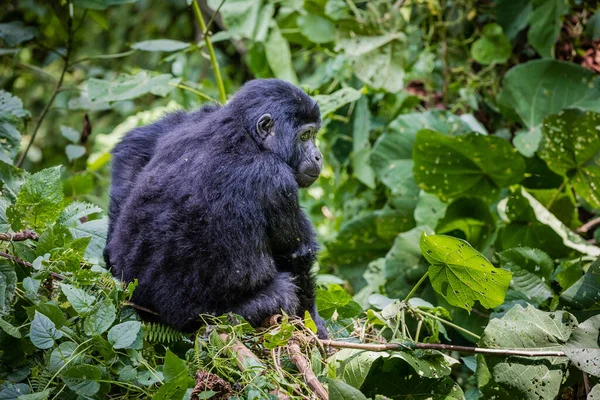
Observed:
{"x":443,"y":321}
{"x":211,"y":51}
{"x":414,"y":289}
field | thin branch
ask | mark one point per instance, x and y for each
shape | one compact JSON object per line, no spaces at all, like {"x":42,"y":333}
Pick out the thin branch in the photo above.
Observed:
{"x":192,"y":90}
{"x":414,"y":289}
{"x":133,"y":305}
{"x":104,"y":56}
{"x":585,"y":228}
{"x":28,"y":264}
{"x":211,"y":52}
{"x":307,"y":373}
{"x":443,"y":321}
{"x":558,"y":192}
{"x":19,"y":236}
{"x":54,"y":93}
{"x":441,"y":347}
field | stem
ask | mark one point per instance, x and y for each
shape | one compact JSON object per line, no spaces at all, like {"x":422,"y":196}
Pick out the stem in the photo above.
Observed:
{"x":589,"y":225}
{"x":189,"y":89}
{"x":558,"y":191}
{"x":211,"y":52}
{"x":19,"y":236}
{"x":54,"y":93}
{"x":459,"y":328}
{"x":28,"y":264}
{"x":414,"y":289}
{"x":105,"y":56}
{"x":441,"y":347}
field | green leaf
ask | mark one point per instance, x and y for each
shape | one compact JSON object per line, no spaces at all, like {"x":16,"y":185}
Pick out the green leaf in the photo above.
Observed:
{"x":39,"y":201}
{"x":336,"y":299}
{"x":160,"y":45}
{"x":328,"y":103}
{"x":11,"y":179}
{"x":392,"y":156}
{"x":594,"y":393}
{"x":10,"y":139}
{"x":173,"y":367}
{"x":532,"y":272}
{"x":127,"y":87}
{"x":100,"y":4}
{"x":123,"y":335}
{"x":64,"y":354}
{"x":43,"y":395}
{"x":472,"y":165}
{"x":527,"y":141}
{"x":545,"y":22}
{"x":245,"y":18}
{"x":43,"y":332}
{"x":10,"y":329}
{"x":342,"y":391}
{"x":429,"y":210}
{"x":528,"y":329}
{"x":571,"y":148}
{"x":8,"y":285}
{"x":592,"y":29}
{"x":97,"y":231}
{"x":584,"y":293}
{"x":493,"y":47}
{"x":540,"y":88}
{"x":469,"y":218}
{"x":513,"y":16}
{"x":100,"y":318}
{"x":82,"y":379}
{"x":15,"y":32}
{"x":317,"y":29}
{"x":70,"y":134}
{"x":361,"y":147}
{"x":80,"y":300}
{"x":461,"y":274}
{"x":174,"y":389}
{"x":279,"y":56}
{"x":72,"y":214}
{"x":74,"y":151}
{"x":583,"y":346}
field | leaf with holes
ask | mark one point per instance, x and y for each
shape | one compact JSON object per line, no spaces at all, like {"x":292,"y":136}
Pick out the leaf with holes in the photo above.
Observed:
{"x":461,"y":274}
{"x":571,"y":148}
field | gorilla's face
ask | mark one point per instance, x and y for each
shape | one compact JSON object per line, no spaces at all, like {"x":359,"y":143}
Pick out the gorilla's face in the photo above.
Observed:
{"x":294,"y":141}
{"x":310,"y":161}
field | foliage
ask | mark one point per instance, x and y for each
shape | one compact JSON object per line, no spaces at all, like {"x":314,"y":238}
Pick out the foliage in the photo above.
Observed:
{"x":459,"y":201}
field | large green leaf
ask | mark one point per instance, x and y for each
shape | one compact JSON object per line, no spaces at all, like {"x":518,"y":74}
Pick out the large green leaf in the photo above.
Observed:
{"x":97,"y":231}
{"x":461,"y":274}
{"x":392,"y":153}
{"x":532,"y":272}
{"x":336,"y":299}
{"x":245,"y":18}
{"x":316,"y":28}
{"x":279,"y":56}
{"x":16,"y":32}
{"x":64,"y":353}
{"x":583,"y":347}
{"x":43,"y":332}
{"x":342,"y":391}
{"x":124,"y":335}
{"x":11,"y":180}
{"x":83,"y":379}
{"x":513,"y":15}
{"x":473,"y":165}
{"x":540,"y":88}
{"x":531,"y":329}
{"x":544,"y":25}
{"x":361,"y":147}
{"x":100,"y":318}
{"x":100,"y":4}
{"x":584,"y":293}
{"x":468,"y":218}
{"x":39,"y":201}
{"x":127,"y":87}
{"x":79,"y":299}
{"x":571,"y":147}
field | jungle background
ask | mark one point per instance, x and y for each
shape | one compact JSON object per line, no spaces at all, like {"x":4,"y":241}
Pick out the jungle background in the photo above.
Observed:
{"x":459,"y":203}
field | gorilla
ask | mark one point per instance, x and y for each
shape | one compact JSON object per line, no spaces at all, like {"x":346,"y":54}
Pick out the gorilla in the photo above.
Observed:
{"x":204,"y":209}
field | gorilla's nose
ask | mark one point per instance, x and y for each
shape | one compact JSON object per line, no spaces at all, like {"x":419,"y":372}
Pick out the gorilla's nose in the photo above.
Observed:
{"x":317,"y":157}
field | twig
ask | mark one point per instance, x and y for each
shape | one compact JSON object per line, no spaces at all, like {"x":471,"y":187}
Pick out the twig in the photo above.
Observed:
{"x":586,"y":383}
{"x":192,"y":90}
{"x":441,"y":347}
{"x":588,"y":225}
{"x":304,"y":367}
{"x":28,"y":264}
{"x":19,"y":236}
{"x":211,"y":52}
{"x":141,"y":308}
{"x":414,"y":289}
{"x":54,"y":93}
{"x":458,"y":328}
{"x":558,"y":192}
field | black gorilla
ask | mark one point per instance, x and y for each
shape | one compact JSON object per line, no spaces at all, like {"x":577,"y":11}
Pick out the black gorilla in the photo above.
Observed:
{"x":204,"y":208}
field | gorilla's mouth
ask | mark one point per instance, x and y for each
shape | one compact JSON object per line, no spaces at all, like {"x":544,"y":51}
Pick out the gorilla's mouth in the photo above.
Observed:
{"x":311,"y":175}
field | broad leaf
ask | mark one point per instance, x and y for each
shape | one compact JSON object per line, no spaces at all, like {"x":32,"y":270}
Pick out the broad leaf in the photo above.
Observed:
{"x":15,"y":32}
{"x":571,"y":147}
{"x":97,"y":231}
{"x":545,"y":23}
{"x":279,"y":56}
{"x":72,"y":214}
{"x":123,"y":335}
{"x":79,"y":299}
{"x":336,"y":299}
{"x":43,"y":332}
{"x":174,"y":366}
{"x":583,"y":347}
{"x":472,"y":165}
{"x":540,"y":88}
{"x":531,"y":329}
{"x":584,"y":293}
{"x":328,"y":103}
{"x":493,"y":47}
{"x":65,"y":353}
{"x":532,"y":272}
{"x":245,"y":18}
{"x":461,"y":274}
{"x":100,"y":318}
{"x":316,"y":28}
{"x":342,"y":391}
{"x":82,"y":379}
{"x":361,"y":147}
{"x":127,"y":87}
{"x":100,"y":4}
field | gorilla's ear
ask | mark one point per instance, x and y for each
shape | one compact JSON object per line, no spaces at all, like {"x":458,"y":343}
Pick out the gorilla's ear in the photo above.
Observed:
{"x":264,"y":126}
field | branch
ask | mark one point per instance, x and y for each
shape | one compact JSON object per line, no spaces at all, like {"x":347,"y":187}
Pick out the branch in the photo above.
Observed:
{"x":54,"y":93}
{"x":19,"y":236}
{"x":304,"y":367}
{"x":441,"y":347}
{"x":585,"y":228}
{"x":211,"y":51}
{"x":133,"y":305}
{"x":28,"y":264}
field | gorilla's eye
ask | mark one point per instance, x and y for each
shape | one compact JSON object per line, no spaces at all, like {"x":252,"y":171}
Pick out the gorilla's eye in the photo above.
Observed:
{"x":306,"y":135}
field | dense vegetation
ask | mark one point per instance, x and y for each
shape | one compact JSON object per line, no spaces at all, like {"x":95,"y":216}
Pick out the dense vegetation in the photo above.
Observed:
{"x":459,"y":204}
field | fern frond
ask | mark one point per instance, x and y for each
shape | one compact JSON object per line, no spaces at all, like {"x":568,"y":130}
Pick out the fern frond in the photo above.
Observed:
{"x":159,"y":333}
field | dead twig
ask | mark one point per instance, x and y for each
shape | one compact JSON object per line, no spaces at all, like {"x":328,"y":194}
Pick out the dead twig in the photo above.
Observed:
{"x":304,"y":367}
{"x":585,"y":228}
{"x":19,"y":236}
{"x":28,"y":264}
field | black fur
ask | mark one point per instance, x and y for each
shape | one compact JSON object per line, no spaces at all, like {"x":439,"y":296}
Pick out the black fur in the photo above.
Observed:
{"x":204,"y":209}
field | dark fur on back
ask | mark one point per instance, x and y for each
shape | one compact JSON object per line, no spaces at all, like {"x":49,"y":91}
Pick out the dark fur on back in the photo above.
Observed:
{"x":207,"y":219}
